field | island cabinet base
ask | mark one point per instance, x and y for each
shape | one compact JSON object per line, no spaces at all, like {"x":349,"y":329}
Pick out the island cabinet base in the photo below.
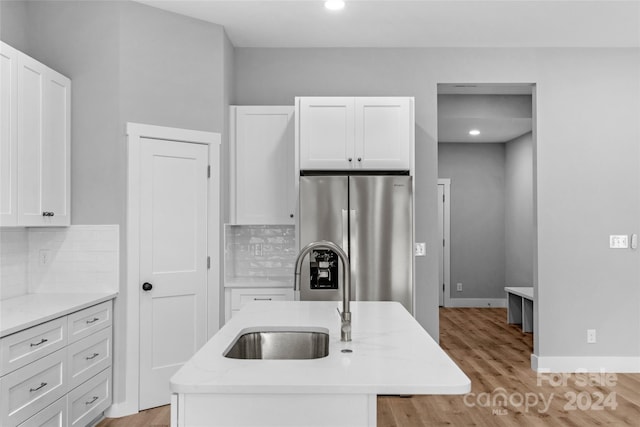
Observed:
{"x":348,"y":410}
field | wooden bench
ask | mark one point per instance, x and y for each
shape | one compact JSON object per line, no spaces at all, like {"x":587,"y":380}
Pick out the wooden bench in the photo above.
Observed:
{"x":520,"y":306}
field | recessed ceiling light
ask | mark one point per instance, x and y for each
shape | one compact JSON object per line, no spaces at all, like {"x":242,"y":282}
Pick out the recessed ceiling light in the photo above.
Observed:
{"x":474,"y":132}
{"x":334,"y":4}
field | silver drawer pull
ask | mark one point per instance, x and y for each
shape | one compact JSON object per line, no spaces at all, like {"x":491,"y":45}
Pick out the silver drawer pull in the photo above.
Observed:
{"x":262,"y":299}
{"x":42,"y":341}
{"x":93,"y":356}
{"x":38,"y":388}
{"x":92,"y":400}
{"x":94,"y":320}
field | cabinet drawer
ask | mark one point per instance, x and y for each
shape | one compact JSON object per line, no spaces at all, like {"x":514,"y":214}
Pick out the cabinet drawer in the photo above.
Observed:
{"x":88,"y":357}
{"x":90,"y":399}
{"x":31,"y":388}
{"x":54,"y":415}
{"x":24,"y":347}
{"x":240,"y":297}
{"x":87,"y":321}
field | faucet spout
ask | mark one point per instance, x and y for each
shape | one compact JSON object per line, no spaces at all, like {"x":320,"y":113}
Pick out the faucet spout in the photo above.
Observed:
{"x":345,"y":316}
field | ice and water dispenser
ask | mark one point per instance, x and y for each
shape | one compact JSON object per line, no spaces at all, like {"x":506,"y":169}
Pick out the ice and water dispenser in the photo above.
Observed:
{"x":324,"y":269}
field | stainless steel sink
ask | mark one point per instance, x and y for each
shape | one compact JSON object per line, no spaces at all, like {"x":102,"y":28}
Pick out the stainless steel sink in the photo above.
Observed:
{"x":275,"y":344}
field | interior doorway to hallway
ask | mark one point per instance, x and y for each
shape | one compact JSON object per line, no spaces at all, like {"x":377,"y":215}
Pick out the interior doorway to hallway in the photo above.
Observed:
{"x":486,"y":149}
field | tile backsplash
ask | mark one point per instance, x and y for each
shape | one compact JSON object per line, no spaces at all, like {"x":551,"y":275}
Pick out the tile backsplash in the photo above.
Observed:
{"x":259,"y":251}
{"x":79,"y":258}
{"x":14,"y":246}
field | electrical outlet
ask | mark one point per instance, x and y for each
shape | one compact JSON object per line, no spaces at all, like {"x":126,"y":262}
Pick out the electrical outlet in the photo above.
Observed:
{"x":591,"y":336}
{"x":619,"y":241}
{"x":459,"y":287}
{"x":421,"y":249}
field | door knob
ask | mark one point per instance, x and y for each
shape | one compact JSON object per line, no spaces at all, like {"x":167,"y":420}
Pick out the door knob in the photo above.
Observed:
{"x":146,"y":286}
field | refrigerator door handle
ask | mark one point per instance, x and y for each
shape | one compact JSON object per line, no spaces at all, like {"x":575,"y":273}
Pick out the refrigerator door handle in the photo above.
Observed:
{"x":353,"y":252}
{"x":345,"y":230}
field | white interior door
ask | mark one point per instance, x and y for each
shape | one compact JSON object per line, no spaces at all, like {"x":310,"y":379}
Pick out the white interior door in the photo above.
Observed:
{"x":442,"y":243}
{"x":173,"y":262}
{"x":444,"y":234}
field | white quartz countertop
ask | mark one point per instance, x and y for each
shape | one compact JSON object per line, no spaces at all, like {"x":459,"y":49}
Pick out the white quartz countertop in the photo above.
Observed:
{"x":25,"y":311}
{"x":391,"y":354}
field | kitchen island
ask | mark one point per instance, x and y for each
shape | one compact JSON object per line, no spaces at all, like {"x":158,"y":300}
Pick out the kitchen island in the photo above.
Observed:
{"x":390,"y":354}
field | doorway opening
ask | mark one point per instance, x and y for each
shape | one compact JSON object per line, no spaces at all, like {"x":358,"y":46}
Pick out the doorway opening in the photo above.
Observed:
{"x":486,"y":161}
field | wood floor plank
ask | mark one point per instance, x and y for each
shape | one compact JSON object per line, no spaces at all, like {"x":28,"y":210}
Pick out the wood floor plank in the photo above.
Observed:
{"x":496,"y":357}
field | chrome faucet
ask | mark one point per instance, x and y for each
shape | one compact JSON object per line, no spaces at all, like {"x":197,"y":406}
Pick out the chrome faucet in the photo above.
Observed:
{"x":345,"y":329}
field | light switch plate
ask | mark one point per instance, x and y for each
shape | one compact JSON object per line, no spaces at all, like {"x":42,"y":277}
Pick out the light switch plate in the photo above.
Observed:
{"x":620,"y":241}
{"x":421,"y":249}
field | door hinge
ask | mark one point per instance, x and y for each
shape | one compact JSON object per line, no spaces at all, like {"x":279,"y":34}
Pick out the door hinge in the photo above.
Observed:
{"x":443,"y":245}
{"x":443,"y":198}
{"x":208,"y":171}
{"x":208,"y":262}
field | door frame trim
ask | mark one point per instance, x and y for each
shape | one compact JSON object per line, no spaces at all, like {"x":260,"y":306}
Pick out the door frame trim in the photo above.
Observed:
{"x":446,"y":274}
{"x":130,"y":308}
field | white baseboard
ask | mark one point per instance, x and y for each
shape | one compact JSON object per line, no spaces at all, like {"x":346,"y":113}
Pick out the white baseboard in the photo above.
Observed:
{"x":478,"y":302}
{"x":121,"y":409}
{"x":585,"y":364}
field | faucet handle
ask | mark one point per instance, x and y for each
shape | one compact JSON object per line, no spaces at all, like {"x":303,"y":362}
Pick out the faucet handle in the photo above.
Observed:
{"x":341,"y":316}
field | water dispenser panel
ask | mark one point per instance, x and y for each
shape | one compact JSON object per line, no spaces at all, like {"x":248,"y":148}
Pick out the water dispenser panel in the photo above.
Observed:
{"x":323,"y":266}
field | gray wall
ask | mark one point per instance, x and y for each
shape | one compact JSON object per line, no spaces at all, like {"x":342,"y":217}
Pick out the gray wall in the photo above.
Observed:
{"x":89,"y":54}
{"x":128,"y":63}
{"x":587,"y":103}
{"x":477,"y":173}
{"x":519,"y":211}
{"x":13,"y":24}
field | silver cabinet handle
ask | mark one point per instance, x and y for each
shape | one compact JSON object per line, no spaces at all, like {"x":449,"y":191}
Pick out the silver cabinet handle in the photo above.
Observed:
{"x":42,"y":341}
{"x":94,"y":320}
{"x":92,"y":400}
{"x":38,"y":388}
{"x":262,"y":299}
{"x":93,"y":356}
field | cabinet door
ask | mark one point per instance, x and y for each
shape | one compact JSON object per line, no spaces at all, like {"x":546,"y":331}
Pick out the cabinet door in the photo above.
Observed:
{"x":56,"y":149}
{"x":8,"y":135}
{"x":262,"y":162}
{"x":43,"y":145}
{"x":383,"y":133}
{"x":326,"y":133}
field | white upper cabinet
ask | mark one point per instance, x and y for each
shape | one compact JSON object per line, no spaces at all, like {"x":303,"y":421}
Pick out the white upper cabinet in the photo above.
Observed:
{"x":35,"y":143}
{"x":326,"y":132}
{"x":361,"y":133}
{"x":43,"y":145}
{"x":8,"y":135}
{"x":262,"y":165}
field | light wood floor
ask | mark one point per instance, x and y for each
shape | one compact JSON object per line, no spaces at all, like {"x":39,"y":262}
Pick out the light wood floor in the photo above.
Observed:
{"x":496,"y":356}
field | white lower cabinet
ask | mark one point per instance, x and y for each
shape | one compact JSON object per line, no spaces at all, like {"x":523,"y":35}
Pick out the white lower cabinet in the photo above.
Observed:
{"x":54,"y":415}
{"x":90,"y":399}
{"x":53,"y":377}
{"x":88,"y":356}
{"x":236,"y":298}
{"x":32,"y":388}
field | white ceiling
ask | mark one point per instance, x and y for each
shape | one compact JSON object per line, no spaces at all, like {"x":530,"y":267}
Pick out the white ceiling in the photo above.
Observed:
{"x":500,"y":112}
{"x":419,"y":23}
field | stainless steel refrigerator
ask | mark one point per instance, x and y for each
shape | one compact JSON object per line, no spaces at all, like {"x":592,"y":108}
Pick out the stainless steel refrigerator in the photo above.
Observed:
{"x":371,"y":218}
